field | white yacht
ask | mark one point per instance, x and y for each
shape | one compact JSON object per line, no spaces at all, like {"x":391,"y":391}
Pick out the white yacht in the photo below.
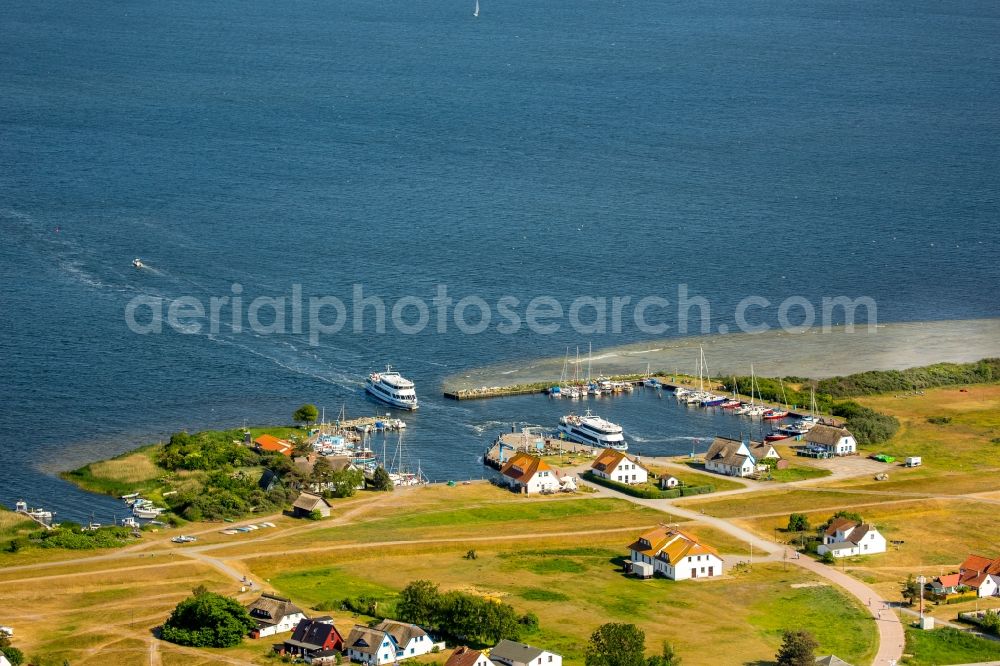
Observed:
{"x":392,"y":388}
{"x":593,"y":430}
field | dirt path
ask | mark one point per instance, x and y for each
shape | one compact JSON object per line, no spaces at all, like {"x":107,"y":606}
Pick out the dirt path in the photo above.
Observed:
{"x":890,"y":629}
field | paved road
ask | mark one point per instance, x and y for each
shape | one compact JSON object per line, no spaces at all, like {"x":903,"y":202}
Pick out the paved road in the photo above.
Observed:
{"x":890,"y":629}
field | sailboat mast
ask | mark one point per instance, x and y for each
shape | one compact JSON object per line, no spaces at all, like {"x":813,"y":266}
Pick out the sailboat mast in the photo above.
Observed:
{"x":590,"y":351}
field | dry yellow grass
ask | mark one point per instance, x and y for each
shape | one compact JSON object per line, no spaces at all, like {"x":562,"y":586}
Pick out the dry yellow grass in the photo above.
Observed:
{"x":134,"y":468}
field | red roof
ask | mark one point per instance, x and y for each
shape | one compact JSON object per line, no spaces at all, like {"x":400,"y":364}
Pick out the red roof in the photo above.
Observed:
{"x":980,"y":564}
{"x":951,"y":580}
{"x":272,"y":443}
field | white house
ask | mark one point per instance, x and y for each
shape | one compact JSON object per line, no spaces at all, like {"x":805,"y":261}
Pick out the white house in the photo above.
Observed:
{"x":845,"y":537}
{"x":981,"y":574}
{"x":512,"y":653}
{"x":465,"y":656}
{"x":274,"y":615}
{"x":667,"y":482}
{"x":368,"y":646}
{"x":388,"y":641}
{"x":676,"y":555}
{"x":838,"y":441}
{"x":733,"y":457}
{"x":616,"y":466}
{"x":530,"y":474}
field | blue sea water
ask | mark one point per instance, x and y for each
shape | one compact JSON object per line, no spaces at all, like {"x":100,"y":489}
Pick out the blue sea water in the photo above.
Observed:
{"x":564,"y":149}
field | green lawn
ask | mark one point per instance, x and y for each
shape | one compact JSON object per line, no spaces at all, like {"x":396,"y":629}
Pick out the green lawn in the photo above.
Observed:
{"x":947,"y":646}
{"x":798,"y":474}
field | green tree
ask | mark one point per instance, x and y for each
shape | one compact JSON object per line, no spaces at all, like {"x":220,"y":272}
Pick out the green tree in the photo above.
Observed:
{"x":206,"y":619}
{"x":381,"y":480}
{"x":419,"y":603}
{"x":346,"y":481}
{"x":827,"y":558}
{"x":322,"y":471}
{"x":798,"y":522}
{"x":306,"y":414}
{"x":617,"y":644}
{"x":911,"y":590}
{"x":798,"y":648}
{"x":667,"y":657}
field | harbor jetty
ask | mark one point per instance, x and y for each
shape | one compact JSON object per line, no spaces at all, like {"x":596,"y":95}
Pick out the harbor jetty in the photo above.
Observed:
{"x":482,"y":392}
{"x":535,"y":441}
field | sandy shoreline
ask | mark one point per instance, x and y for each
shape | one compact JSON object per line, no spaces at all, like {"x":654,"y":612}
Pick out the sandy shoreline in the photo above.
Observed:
{"x":774,"y":353}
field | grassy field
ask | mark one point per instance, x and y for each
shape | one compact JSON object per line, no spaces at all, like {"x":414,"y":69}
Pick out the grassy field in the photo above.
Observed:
{"x":130,"y":472}
{"x":798,"y":473}
{"x":962,"y":440}
{"x":958,"y":528}
{"x":947,"y":646}
{"x":776,"y":501}
{"x":563,"y":584}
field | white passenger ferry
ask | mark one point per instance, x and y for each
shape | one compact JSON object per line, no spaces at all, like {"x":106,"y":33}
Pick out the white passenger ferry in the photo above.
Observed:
{"x":590,"y":429}
{"x":392,"y":388}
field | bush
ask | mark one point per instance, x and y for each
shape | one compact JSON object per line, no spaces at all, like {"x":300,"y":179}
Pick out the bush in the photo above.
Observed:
{"x":206,"y":619}
{"x":13,"y":654}
{"x":210,"y":450}
{"x":827,"y":558}
{"x":939,"y":420}
{"x":888,"y":381}
{"x":74,"y":537}
{"x":867,"y":425}
{"x":798,"y":522}
{"x":991,"y":622}
{"x":697,"y":490}
{"x":959,"y":598}
{"x":464,"y":617}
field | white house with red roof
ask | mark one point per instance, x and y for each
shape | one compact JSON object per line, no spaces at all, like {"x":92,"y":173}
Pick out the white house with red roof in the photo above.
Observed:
{"x":530,"y":474}
{"x":614,"y":465}
{"x":846,"y":538}
{"x":676,"y":554}
{"x":981,"y":574}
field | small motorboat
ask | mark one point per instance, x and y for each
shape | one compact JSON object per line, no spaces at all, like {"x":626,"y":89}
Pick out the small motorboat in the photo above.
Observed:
{"x":137,"y":263}
{"x":775,"y":414}
{"x":776,"y":437}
